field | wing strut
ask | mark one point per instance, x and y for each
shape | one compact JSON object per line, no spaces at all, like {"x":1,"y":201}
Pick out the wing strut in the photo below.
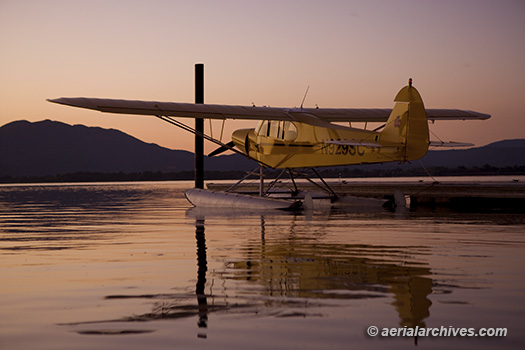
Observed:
{"x":206,"y":137}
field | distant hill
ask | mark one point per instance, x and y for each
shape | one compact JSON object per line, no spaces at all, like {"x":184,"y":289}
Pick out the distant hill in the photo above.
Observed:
{"x":497,"y":154}
{"x":50,"y":148}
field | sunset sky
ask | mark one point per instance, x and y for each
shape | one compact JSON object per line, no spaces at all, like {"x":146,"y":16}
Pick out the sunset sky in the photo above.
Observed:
{"x":466,"y":54}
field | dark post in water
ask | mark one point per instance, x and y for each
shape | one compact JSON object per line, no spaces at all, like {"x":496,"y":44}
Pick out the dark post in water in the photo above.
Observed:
{"x":199,"y":127}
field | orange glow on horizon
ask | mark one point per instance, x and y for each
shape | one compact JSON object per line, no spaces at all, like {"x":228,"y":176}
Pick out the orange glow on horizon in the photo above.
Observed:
{"x":465,"y":55}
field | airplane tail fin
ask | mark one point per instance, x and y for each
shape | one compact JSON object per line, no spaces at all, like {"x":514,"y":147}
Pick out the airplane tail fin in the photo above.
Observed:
{"x":408,"y":124}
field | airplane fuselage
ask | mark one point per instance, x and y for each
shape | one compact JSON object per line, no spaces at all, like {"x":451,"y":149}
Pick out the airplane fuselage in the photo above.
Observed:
{"x":287,"y":144}
{"x":322,"y":147}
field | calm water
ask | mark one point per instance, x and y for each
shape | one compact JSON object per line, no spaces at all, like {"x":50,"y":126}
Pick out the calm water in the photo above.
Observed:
{"x":133,"y":266}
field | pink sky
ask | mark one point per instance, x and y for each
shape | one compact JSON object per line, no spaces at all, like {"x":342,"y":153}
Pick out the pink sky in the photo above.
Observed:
{"x":461,"y":54}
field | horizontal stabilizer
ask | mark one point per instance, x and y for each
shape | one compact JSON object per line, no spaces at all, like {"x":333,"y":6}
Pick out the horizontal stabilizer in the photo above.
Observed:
{"x":450,"y":144}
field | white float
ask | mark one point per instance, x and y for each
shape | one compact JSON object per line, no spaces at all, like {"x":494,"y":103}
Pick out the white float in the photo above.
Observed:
{"x":215,"y":199}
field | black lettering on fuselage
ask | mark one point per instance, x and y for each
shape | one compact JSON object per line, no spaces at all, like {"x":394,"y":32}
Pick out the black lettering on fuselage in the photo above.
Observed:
{"x":341,"y":149}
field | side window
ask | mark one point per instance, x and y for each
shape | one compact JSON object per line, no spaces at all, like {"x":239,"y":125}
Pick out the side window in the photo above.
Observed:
{"x":290,"y":131}
{"x":274,"y":129}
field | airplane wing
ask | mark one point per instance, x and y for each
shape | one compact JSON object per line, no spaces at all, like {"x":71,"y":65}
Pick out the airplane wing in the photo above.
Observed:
{"x":313,"y":116}
{"x":173,"y":109}
{"x":381,"y":115}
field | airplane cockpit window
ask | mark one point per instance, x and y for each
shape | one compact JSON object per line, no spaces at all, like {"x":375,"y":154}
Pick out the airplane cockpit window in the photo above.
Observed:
{"x":279,"y":129}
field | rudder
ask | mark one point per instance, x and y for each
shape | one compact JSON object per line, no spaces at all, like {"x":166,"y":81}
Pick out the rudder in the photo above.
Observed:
{"x":408,"y":124}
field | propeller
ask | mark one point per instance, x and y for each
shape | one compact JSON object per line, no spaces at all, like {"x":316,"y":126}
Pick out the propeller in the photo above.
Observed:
{"x":222,"y":149}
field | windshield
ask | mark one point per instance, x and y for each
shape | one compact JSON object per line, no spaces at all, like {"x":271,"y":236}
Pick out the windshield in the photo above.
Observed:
{"x":279,"y":129}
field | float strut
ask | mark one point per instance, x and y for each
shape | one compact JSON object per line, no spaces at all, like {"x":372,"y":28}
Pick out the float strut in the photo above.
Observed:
{"x":261,"y":181}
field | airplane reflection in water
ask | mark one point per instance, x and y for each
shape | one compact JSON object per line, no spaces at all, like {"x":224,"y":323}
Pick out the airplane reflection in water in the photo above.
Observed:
{"x":296,"y":274}
{"x":298,"y":268}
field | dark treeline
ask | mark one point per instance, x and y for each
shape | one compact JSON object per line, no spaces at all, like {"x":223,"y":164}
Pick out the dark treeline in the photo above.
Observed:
{"x":485,"y":170}
{"x":347,"y":172}
{"x":120,"y":176}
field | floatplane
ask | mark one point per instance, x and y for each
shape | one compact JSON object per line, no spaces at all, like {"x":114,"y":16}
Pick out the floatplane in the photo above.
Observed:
{"x":296,"y":138}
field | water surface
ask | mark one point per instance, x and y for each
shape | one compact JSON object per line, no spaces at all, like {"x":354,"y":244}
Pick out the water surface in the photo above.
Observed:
{"x":132,"y":265}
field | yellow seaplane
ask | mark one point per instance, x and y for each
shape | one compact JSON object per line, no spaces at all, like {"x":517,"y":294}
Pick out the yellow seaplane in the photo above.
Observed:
{"x":291,"y":138}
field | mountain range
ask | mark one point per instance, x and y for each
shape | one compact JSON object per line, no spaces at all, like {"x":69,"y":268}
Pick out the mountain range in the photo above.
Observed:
{"x":51,"y":147}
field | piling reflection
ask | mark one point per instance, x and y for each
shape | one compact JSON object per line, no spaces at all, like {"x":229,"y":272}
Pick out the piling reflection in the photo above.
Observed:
{"x":202,"y":268}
